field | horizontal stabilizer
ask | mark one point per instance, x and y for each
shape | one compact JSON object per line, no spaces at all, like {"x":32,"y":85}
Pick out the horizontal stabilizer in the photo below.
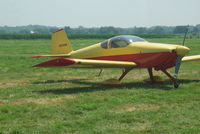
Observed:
{"x":55,"y":55}
{"x":56,"y":63}
{"x":85,"y":63}
{"x":191,"y":58}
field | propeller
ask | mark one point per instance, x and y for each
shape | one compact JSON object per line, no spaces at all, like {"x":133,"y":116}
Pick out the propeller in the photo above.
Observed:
{"x":179,"y":59}
{"x":186,"y":32}
{"x":177,"y":67}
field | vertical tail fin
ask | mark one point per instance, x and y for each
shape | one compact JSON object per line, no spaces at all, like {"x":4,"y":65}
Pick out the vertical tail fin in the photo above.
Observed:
{"x":60,"y":43}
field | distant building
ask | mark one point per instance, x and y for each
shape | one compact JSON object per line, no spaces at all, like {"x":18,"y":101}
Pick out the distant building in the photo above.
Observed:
{"x":32,"y":32}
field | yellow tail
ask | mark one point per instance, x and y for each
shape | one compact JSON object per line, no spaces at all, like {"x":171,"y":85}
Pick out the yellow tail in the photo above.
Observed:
{"x":60,"y":43}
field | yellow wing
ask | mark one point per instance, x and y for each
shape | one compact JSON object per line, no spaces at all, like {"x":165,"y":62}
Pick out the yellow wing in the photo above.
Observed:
{"x":85,"y":63}
{"x":191,"y":58}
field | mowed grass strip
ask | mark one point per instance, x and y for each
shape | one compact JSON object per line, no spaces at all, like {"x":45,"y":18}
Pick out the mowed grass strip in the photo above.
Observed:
{"x":61,"y":100}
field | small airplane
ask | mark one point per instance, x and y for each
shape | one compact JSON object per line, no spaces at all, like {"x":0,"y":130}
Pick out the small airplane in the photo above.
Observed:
{"x":125,"y":52}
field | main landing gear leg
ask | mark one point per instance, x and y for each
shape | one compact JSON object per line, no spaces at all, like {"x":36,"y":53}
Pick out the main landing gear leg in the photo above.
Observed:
{"x":150,"y":74}
{"x":176,"y":84}
{"x":124,"y":73}
{"x":100,"y":73}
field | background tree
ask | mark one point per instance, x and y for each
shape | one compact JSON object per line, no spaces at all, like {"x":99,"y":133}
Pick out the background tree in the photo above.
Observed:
{"x":180,"y":29}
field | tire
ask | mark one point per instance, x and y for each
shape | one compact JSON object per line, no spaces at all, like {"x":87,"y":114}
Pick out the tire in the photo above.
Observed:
{"x":176,"y":85}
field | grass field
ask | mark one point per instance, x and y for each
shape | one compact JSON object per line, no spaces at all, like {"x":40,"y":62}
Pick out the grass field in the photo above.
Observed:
{"x":72,"y":101}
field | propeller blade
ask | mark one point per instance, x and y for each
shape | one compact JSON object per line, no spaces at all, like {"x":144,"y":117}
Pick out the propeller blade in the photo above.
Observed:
{"x":186,"y":32}
{"x":177,"y":67}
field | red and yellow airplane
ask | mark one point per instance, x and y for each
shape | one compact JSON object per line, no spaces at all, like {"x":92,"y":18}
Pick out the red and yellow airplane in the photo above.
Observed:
{"x":126,"y":52}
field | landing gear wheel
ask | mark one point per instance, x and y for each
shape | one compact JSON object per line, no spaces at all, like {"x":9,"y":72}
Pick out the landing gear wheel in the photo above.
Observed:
{"x":176,"y":85}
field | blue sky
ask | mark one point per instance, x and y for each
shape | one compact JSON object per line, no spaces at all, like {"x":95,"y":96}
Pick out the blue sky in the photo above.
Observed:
{"x":96,"y":13}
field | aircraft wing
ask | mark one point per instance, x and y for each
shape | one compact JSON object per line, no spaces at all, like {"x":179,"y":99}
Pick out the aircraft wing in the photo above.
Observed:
{"x":191,"y":58}
{"x":85,"y":63}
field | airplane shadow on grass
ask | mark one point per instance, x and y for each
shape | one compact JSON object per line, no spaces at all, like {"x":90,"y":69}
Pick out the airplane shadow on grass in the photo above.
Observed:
{"x":76,"y":81}
{"x":93,"y":86}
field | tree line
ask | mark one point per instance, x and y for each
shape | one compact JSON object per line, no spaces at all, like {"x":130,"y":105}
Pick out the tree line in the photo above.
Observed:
{"x":38,"y":29}
{"x":135,"y":30}
{"x":44,"y":32}
{"x":81,"y":36}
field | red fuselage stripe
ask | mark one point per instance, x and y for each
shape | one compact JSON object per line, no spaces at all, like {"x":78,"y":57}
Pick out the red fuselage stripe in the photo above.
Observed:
{"x":160,"y":60}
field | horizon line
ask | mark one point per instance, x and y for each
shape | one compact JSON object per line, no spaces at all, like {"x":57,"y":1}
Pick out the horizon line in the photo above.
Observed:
{"x":97,"y":26}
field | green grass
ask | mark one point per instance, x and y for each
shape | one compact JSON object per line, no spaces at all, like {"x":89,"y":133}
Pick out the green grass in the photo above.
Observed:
{"x":66,"y":101}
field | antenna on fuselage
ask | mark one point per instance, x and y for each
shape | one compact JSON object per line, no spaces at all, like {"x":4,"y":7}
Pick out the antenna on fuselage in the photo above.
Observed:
{"x":186,"y":32}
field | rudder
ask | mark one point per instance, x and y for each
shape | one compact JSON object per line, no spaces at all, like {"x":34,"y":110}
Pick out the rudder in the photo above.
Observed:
{"x":60,"y":42}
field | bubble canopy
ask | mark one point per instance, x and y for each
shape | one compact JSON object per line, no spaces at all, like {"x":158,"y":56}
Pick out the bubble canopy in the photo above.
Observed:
{"x":121,"y":41}
{"x":128,"y":38}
